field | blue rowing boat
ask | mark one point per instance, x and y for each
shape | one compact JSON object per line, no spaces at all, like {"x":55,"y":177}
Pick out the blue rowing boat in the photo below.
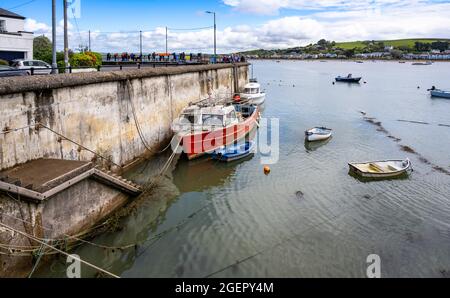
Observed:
{"x":440,"y":93}
{"x":233,"y":152}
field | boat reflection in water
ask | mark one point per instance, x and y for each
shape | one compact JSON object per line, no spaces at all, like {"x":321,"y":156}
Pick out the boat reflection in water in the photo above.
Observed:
{"x":207,"y":172}
{"x":313,"y":146}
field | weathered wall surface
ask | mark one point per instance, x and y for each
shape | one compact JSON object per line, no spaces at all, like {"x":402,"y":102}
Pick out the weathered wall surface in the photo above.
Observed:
{"x":70,"y":212}
{"x":98,"y":110}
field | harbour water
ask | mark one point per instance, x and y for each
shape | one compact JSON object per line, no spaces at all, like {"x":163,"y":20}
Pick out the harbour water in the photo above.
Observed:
{"x":309,"y":217}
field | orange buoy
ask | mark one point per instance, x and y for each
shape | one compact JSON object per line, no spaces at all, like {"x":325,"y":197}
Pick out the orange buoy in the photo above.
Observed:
{"x":266,"y":170}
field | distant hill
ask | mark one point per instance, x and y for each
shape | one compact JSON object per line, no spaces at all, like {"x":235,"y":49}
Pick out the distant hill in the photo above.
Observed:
{"x":395,"y":43}
{"x":354,"y":47}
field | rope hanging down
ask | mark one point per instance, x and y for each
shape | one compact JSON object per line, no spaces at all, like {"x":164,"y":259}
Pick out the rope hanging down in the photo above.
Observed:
{"x":57,"y":250}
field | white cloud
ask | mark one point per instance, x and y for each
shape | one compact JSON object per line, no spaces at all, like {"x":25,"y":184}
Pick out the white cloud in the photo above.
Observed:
{"x":36,"y":27}
{"x":270,"y":7}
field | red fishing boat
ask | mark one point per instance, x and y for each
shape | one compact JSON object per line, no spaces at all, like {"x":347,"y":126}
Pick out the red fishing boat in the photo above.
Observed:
{"x":205,"y":128}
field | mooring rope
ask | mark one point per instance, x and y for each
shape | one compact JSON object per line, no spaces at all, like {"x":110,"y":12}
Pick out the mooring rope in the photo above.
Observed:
{"x":57,"y":250}
{"x":40,"y":254}
{"x":78,"y":144}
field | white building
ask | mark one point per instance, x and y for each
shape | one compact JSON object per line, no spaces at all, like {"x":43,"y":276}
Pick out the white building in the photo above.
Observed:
{"x":15,"y":43}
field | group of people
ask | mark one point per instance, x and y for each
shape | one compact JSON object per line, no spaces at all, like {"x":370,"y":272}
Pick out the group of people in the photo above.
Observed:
{"x":166,"y":57}
{"x":233,"y":58}
{"x":126,"y":57}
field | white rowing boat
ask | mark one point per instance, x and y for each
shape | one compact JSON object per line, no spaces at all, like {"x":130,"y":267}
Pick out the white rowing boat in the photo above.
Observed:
{"x":381,"y":169}
{"x":318,"y":134}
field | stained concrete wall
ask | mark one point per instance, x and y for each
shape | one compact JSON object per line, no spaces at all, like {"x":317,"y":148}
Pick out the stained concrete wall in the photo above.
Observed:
{"x":96,"y":110}
{"x":71,"y":212}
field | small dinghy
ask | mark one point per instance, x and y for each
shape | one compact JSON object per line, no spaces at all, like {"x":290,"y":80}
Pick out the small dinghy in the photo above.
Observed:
{"x":318,"y":134}
{"x":233,"y":152}
{"x":348,"y":79}
{"x":381,"y":169}
{"x":439,"y":93}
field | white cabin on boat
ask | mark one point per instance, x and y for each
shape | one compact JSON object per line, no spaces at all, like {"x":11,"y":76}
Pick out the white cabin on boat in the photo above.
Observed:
{"x":252,"y":92}
{"x":204,"y":118}
{"x":252,"y":88}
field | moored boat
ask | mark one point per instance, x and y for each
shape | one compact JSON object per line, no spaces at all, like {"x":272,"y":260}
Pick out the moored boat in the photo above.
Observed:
{"x":318,"y":134}
{"x":348,"y":79}
{"x":233,"y":152}
{"x":439,"y":93}
{"x":423,"y":63}
{"x":205,"y":128}
{"x":253,"y":93}
{"x":381,"y":169}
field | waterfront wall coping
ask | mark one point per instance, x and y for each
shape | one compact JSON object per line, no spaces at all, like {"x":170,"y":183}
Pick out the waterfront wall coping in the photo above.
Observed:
{"x":38,"y":83}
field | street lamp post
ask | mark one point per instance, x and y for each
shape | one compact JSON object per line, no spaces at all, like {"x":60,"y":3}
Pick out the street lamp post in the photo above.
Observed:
{"x":215,"y":35}
{"x":54,"y":63}
{"x":66,"y":37}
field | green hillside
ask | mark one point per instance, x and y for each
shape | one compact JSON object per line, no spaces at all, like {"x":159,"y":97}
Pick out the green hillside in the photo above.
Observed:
{"x":395,"y":43}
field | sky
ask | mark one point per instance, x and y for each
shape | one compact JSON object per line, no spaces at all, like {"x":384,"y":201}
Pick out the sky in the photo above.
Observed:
{"x":241,"y":24}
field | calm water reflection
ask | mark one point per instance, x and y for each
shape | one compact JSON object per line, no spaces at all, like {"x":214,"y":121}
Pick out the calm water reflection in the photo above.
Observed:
{"x":309,"y":218}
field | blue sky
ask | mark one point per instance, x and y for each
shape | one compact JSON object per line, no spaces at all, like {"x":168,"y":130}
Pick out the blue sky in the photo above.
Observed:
{"x":115,"y":15}
{"x":242,"y":24}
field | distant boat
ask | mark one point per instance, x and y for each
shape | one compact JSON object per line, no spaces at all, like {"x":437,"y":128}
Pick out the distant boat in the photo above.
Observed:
{"x":253,"y":94}
{"x":401,"y":62}
{"x":348,"y":79}
{"x":233,"y":152}
{"x":359,"y":62}
{"x":381,"y":169}
{"x":423,"y":63}
{"x":439,"y":93}
{"x":318,"y":134}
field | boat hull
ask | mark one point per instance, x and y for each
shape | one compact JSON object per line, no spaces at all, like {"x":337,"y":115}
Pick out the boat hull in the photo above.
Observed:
{"x":348,"y":80}
{"x":316,"y":138}
{"x":440,"y":94}
{"x":256,"y":100}
{"x":318,"y":134}
{"x":229,"y":157}
{"x":197,"y":144}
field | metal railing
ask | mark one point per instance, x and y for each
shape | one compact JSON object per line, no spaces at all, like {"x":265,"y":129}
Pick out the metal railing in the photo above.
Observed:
{"x":117,"y":67}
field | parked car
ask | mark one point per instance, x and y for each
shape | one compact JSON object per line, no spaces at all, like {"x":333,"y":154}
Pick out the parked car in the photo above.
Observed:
{"x":38,"y":66}
{"x":7,"y":71}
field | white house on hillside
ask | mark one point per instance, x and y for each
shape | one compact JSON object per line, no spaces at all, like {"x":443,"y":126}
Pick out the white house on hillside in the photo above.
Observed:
{"x":15,"y":43}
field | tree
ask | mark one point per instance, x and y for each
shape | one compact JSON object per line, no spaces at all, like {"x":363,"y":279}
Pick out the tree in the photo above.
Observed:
{"x":422,"y":46}
{"x":42,"y":49}
{"x":439,"y":45}
{"x":396,"y":54}
{"x":322,"y":43}
{"x":349,"y":53}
